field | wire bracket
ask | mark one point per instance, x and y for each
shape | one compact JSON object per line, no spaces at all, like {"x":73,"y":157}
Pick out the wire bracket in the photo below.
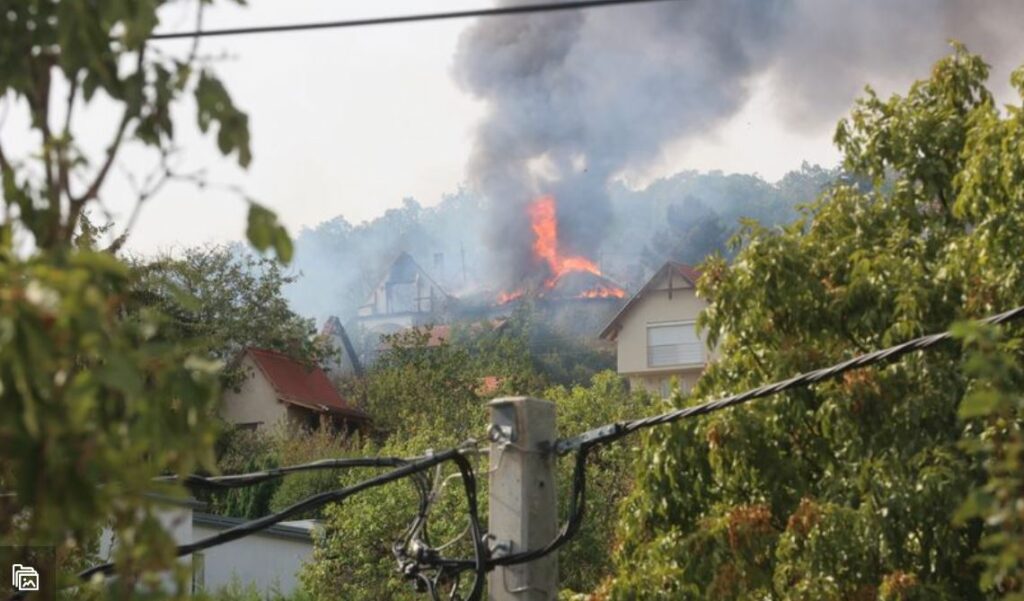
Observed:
{"x":565,"y":446}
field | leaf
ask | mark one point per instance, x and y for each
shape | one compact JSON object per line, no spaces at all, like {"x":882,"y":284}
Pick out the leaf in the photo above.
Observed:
{"x":264,"y":232}
{"x":214,"y":105}
{"x":980,"y":403}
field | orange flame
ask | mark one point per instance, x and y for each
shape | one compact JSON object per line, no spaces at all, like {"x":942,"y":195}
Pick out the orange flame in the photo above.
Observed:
{"x":544,"y":223}
{"x":507,"y":297}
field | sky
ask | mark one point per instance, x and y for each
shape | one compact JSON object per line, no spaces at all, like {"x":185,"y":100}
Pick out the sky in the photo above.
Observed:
{"x":352,"y":121}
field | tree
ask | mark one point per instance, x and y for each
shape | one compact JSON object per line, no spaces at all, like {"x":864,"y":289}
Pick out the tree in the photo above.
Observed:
{"x":231,"y":300}
{"x":96,"y":398}
{"x":855,"y":489}
{"x":694,"y":231}
{"x":353,"y":558}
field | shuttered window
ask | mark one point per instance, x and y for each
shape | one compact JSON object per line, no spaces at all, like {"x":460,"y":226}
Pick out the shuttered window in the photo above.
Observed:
{"x":673,"y":344}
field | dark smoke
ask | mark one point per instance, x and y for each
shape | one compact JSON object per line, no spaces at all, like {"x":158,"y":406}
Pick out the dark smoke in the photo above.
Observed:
{"x":575,"y":99}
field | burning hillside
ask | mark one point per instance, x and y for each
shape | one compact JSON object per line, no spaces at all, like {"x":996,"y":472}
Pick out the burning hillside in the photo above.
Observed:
{"x":565,"y":276}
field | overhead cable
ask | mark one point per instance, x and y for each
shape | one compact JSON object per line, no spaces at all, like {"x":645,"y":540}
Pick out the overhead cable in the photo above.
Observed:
{"x":415,"y":555}
{"x":519,"y":9}
{"x":610,"y":432}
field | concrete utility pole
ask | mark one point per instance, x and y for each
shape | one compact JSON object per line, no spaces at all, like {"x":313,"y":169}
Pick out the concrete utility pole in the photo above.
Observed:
{"x":522,"y":513}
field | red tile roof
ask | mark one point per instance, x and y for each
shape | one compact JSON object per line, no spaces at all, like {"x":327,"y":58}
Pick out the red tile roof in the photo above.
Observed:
{"x":439,"y":334}
{"x":302,"y":385}
{"x":489,"y":385}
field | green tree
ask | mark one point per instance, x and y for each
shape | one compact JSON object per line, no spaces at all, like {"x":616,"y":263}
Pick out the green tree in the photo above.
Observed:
{"x":419,"y":386}
{"x":353,"y":558}
{"x":96,"y":397}
{"x":231,"y":300}
{"x":849,"y":490}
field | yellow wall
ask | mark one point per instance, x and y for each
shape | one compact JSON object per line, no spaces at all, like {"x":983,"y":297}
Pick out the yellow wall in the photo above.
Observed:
{"x":653,"y":308}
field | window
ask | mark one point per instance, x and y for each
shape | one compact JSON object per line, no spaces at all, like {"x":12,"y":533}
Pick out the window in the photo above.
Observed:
{"x":673,"y":344}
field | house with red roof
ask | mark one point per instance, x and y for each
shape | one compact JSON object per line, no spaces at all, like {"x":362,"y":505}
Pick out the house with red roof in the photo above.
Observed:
{"x":656,"y":334}
{"x":281,"y":390}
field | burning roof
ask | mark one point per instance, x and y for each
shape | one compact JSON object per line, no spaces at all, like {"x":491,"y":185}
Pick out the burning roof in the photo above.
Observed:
{"x":566,"y":276}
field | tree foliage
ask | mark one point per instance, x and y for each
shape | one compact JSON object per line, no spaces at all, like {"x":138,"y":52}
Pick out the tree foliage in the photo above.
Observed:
{"x":97,"y":394}
{"x":353,"y":557}
{"x":850,"y":489}
{"x":231,"y":300}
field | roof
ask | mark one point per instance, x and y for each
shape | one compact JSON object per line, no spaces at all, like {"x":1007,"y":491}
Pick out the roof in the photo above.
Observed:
{"x":404,"y":270}
{"x":300,"y":530}
{"x":333,"y":329}
{"x":489,"y":385}
{"x":688,"y":273}
{"x":302,"y":385}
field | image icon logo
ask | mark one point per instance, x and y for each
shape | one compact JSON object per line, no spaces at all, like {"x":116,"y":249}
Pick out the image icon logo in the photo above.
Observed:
{"x":24,"y":578}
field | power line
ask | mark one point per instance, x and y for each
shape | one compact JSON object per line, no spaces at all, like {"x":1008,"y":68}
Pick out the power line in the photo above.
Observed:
{"x":610,"y":432}
{"x":409,"y":469}
{"x":414,"y":554}
{"x":462,"y":14}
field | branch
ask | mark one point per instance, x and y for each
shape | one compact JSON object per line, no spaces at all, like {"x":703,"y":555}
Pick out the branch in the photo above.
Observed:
{"x":63,"y":166}
{"x":91,"y":193}
{"x":39,"y":107}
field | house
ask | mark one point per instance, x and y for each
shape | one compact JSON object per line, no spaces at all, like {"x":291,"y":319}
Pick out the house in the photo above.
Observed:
{"x":345,"y":362}
{"x":406,"y":297}
{"x":280,"y":389}
{"x":655,"y":332}
{"x":268,"y":560}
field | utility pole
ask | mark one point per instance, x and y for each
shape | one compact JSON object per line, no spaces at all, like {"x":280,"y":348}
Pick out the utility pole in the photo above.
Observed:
{"x":522,"y":512}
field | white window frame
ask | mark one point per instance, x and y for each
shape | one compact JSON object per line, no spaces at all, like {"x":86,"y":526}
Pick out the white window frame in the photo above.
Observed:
{"x":702,"y":352}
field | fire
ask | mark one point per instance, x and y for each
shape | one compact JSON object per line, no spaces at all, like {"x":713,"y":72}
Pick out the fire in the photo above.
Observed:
{"x":507,"y":297}
{"x":603,"y":292}
{"x":544,"y":223}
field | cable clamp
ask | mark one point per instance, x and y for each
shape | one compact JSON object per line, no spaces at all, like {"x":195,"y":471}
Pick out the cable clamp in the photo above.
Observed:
{"x":567,"y":445}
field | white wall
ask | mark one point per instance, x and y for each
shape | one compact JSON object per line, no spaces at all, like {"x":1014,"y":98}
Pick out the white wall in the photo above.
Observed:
{"x":266,"y":561}
{"x":255,"y":401}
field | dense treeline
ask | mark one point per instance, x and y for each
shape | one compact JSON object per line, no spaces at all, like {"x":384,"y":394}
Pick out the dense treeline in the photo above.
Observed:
{"x":683,"y":217}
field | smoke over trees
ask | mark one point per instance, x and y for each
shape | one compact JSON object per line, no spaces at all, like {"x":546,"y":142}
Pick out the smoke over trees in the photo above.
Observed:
{"x":576,"y":99}
{"x":340,"y":262}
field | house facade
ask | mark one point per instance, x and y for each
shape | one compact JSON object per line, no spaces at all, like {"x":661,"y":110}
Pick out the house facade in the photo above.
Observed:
{"x":406,"y":297}
{"x":281,"y":390}
{"x":656,"y":335}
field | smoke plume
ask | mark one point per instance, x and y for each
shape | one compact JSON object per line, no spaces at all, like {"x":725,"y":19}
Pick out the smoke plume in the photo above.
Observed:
{"x":574,"y":99}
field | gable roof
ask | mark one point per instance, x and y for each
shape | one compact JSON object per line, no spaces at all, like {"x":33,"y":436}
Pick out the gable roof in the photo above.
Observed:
{"x":333,"y":329}
{"x":405,"y":270}
{"x":687,"y":273}
{"x":301,"y":385}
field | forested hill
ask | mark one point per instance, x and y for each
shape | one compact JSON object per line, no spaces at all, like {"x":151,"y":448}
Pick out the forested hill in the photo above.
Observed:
{"x":683,"y":217}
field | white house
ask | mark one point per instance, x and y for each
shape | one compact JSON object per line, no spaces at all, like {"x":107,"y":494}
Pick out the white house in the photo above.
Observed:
{"x":268,"y":561}
{"x":406,"y":297}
